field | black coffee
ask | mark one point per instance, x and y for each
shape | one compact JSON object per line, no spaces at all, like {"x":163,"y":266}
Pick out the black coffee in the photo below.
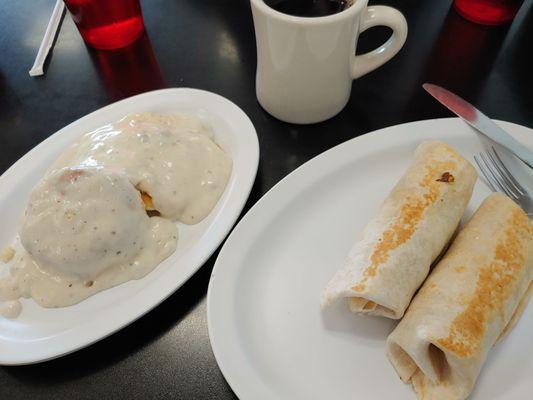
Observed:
{"x":308,"y":8}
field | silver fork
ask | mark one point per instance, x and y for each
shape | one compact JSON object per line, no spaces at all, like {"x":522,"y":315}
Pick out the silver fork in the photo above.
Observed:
{"x":500,"y":179}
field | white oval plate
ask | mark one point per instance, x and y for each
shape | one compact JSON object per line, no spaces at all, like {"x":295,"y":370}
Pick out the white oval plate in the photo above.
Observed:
{"x":269,"y":336}
{"x":41,"y":334}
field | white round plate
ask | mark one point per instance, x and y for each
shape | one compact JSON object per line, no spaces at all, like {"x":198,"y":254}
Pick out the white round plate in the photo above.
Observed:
{"x":40,"y":334}
{"x":269,"y":336}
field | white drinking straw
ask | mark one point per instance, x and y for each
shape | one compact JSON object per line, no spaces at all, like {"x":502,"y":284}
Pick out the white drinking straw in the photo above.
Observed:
{"x":48,"y":39}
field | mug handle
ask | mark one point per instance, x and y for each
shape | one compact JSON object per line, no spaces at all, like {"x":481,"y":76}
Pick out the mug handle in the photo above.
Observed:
{"x":386,"y":16}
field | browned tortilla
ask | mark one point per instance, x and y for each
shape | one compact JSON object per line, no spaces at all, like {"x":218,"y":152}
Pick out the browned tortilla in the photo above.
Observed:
{"x":473,"y":296}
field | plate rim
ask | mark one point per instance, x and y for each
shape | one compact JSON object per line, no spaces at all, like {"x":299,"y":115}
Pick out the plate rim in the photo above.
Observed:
{"x":229,"y":374}
{"x":246,"y":183}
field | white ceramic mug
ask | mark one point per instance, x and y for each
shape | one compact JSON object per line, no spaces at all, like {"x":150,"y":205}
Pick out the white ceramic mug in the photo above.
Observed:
{"x":305,"y":66}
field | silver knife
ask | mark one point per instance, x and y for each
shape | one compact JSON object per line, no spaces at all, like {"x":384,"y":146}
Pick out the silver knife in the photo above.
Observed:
{"x":475,"y":118}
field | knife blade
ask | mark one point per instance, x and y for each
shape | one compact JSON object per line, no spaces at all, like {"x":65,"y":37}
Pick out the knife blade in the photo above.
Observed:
{"x":476,"y":119}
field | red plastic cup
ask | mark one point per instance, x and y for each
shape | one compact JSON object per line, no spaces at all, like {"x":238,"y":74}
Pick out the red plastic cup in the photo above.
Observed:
{"x":488,"y":12}
{"x":107,"y":24}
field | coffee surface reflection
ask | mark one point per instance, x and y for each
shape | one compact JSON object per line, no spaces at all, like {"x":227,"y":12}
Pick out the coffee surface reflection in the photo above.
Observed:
{"x":309,"y":8}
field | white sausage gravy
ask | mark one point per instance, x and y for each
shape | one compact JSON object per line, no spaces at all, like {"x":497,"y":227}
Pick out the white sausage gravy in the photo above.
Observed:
{"x":171,"y":157}
{"x":86,"y":229}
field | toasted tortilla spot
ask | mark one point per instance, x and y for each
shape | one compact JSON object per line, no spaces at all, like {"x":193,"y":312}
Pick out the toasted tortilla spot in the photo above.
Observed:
{"x":493,"y":287}
{"x":411,"y":214}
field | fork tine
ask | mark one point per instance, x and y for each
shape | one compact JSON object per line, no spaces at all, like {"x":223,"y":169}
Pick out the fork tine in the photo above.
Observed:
{"x":511,"y":187}
{"x":499,"y":183}
{"x":510,"y":176}
{"x":486,"y":175}
{"x":495,"y":176}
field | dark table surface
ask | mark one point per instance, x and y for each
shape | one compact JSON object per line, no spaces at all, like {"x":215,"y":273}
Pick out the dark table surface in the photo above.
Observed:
{"x":209,"y":44}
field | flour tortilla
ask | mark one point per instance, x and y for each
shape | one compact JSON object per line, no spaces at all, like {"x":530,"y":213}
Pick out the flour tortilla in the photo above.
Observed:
{"x":471,"y":299}
{"x":388,"y":264}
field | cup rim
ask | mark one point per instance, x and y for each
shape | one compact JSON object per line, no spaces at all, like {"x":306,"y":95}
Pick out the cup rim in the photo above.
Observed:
{"x":356,"y":7}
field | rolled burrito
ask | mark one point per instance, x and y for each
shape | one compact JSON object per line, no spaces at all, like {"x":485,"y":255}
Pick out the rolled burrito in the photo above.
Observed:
{"x":471,"y":298}
{"x":391,"y":260}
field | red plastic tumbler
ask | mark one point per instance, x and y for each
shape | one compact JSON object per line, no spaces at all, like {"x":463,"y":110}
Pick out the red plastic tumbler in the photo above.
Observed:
{"x":107,"y":24}
{"x":488,"y":12}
